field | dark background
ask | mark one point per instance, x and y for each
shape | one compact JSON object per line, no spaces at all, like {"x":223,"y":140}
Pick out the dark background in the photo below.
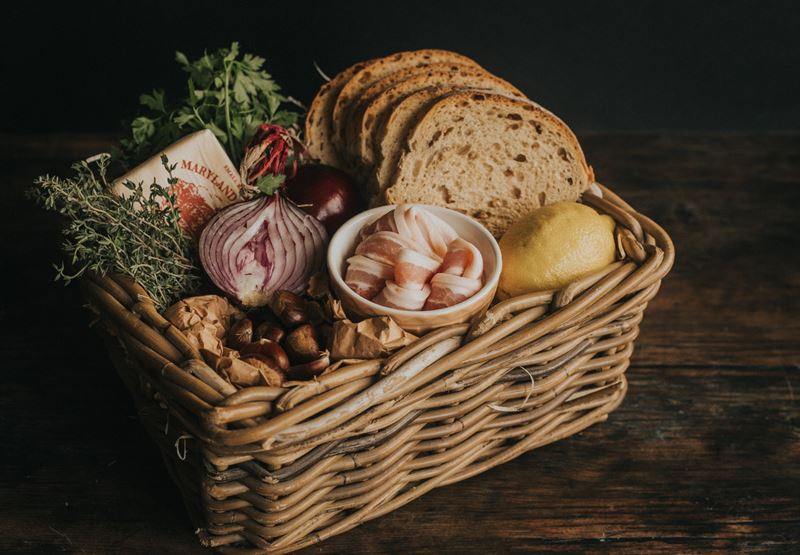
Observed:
{"x":702,"y":456}
{"x":601,"y":65}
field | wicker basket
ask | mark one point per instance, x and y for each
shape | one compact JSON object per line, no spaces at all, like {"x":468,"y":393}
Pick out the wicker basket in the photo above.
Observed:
{"x":273,"y":470}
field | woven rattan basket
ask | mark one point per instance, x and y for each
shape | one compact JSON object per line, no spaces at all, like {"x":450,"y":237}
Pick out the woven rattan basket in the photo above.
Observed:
{"x":265,"y":469}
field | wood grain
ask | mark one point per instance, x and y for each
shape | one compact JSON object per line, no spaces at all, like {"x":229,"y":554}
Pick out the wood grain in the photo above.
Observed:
{"x":703,"y":455}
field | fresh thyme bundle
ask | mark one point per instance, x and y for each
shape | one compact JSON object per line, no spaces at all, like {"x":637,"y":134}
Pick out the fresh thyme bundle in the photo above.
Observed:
{"x":229,"y":95}
{"x":138,"y":235}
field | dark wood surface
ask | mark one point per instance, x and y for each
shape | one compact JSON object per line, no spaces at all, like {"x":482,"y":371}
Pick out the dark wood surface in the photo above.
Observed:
{"x":703,"y":455}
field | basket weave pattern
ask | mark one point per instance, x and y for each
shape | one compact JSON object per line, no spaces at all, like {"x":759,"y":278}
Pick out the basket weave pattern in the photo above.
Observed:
{"x":266,"y":469}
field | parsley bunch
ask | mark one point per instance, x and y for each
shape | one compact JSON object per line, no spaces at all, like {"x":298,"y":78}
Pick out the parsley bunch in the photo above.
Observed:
{"x":138,"y":235}
{"x":227,"y":94}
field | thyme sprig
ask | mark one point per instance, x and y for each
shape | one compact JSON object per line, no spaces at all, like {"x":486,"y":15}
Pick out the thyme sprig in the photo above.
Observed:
{"x":138,"y":235}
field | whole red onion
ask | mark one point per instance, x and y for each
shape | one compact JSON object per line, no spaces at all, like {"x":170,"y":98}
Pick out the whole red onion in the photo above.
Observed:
{"x":325,"y":192}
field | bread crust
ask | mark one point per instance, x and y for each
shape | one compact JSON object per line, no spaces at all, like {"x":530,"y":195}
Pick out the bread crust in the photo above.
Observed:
{"x":379,"y":68}
{"x":353,"y":117}
{"x":380,"y":106}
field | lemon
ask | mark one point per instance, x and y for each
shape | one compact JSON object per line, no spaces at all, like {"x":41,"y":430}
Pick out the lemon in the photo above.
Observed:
{"x":553,"y":246}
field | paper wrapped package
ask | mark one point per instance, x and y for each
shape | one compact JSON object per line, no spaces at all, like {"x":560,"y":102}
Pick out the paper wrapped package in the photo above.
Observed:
{"x":204,"y":320}
{"x":371,"y":338}
{"x":207,"y":179}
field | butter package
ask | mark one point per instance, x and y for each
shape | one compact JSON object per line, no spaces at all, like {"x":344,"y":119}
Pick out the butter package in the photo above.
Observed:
{"x":207,"y":179}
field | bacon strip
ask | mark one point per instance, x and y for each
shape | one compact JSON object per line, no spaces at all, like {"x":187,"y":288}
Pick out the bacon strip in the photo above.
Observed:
{"x":366,"y":276}
{"x":395,"y":296}
{"x":384,"y":223}
{"x":429,"y":234}
{"x":437,"y":233}
{"x":463,"y":259}
{"x":412,"y":270}
{"x":448,"y":290}
{"x":383,"y":246}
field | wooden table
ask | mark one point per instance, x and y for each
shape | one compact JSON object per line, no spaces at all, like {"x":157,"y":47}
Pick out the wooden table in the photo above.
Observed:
{"x":703,"y":455}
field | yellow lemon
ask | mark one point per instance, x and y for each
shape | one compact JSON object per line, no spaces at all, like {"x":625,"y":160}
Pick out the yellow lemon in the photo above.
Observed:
{"x":553,"y":246}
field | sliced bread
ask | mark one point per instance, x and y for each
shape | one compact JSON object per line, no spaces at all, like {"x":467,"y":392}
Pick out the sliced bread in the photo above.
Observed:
{"x":352,"y":117}
{"x":319,"y":134}
{"x":376,"y":70}
{"x":373,"y":113}
{"x":379,"y":152}
{"x":493,"y":157}
{"x":391,"y":132}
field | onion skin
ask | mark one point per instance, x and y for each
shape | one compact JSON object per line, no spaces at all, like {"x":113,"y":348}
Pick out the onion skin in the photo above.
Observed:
{"x":325,"y":192}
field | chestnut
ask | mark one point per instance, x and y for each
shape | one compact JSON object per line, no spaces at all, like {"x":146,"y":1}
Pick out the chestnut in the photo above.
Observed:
{"x":268,"y":330}
{"x":302,"y":344}
{"x":289,"y":308}
{"x":309,"y":370}
{"x":272,"y":376}
{"x":267,"y":349}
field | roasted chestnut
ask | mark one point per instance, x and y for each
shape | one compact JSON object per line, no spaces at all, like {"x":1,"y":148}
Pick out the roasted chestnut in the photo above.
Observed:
{"x":309,"y":370}
{"x":269,"y":350}
{"x":268,"y":330}
{"x":302,"y":344}
{"x":289,"y":308}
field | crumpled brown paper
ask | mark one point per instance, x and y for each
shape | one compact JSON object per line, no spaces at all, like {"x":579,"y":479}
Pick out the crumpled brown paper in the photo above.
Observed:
{"x":204,"y":320}
{"x":337,"y":310}
{"x":370,"y":338}
{"x":241,"y":372}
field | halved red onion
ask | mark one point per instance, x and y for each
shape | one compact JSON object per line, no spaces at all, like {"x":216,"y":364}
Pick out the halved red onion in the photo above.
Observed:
{"x":256,"y":247}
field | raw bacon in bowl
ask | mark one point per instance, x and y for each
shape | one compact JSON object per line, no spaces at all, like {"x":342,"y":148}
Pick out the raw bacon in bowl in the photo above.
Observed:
{"x":419,"y":246}
{"x":388,"y":260}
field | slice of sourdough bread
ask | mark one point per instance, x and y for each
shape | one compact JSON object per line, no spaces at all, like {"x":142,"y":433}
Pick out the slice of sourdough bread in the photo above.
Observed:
{"x":378,"y":107}
{"x":352,"y":117}
{"x":490,"y":156}
{"x":319,"y":135}
{"x":377,"y":70}
{"x":396,"y":119}
{"x":392,"y":131}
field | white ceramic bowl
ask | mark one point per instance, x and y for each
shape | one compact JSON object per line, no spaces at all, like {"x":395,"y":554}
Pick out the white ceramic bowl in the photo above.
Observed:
{"x":344,"y":242}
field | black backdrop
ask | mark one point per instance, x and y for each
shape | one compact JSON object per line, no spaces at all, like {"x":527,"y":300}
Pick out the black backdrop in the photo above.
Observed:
{"x":601,"y":65}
